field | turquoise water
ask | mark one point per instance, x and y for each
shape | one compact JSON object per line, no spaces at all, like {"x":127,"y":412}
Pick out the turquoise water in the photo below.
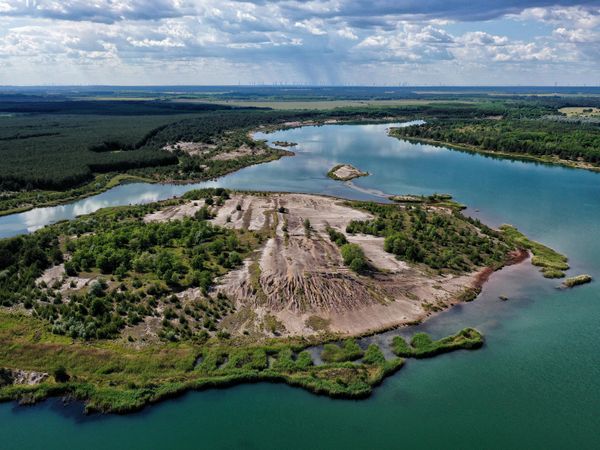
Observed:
{"x":535,"y":384}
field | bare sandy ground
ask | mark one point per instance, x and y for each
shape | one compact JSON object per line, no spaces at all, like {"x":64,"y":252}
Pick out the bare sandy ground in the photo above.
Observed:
{"x":56,"y":276}
{"x":175,"y":212}
{"x":299,"y":279}
{"x":240,"y":152}
{"x":297,"y":283}
{"x":347,"y":172}
{"x":191,"y":148}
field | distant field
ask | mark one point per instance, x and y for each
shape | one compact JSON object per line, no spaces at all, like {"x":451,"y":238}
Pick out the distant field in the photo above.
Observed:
{"x":318,"y":104}
{"x":114,"y":98}
{"x":580,"y":111}
{"x":492,"y":93}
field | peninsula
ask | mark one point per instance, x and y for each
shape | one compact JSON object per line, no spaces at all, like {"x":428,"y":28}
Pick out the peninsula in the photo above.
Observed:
{"x":134,"y":304}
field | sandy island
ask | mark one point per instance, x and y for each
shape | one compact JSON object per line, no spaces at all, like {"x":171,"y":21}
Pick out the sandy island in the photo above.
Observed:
{"x":345,"y":172}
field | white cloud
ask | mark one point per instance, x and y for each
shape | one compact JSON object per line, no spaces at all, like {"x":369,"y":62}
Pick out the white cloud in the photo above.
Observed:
{"x":267,"y":41}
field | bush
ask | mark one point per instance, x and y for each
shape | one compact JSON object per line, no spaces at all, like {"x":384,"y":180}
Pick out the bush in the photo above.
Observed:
{"x":61,"y":375}
{"x":354,"y":257}
{"x":350,"y":351}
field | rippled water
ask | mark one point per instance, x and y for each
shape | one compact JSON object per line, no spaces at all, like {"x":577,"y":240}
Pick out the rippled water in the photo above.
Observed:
{"x":535,"y":384}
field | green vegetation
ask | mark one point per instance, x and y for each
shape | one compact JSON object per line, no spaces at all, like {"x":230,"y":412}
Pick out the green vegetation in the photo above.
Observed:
{"x":64,"y":149}
{"x":349,"y":351}
{"x":541,"y":138}
{"x":352,"y":254}
{"x":552,"y":263}
{"x":422,"y":346}
{"x":113,"y":377}
{"x":336,"y":237}
{"x":434,"y":199}
{"x":138,"y":269}
{"x":354,"y":257}
{"x":58,"y":152}
{"x":577,"y":280}
{"x":439,"y":239}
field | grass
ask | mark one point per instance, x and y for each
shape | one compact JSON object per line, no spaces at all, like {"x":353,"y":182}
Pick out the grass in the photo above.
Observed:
{"x":577,"y":280}
{"x":422,"y":346}
{"x":349,"y":351}
{"x":114,"y":377}
{"x":552,"y":263}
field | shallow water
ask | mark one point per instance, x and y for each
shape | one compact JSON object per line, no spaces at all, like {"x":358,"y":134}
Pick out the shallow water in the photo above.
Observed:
{"x":535,"y":384}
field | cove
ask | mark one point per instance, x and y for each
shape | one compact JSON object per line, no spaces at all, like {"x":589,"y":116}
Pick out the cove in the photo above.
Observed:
{"x":533,"y":385}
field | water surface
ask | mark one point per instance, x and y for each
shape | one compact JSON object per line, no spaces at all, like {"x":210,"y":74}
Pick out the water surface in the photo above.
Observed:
{"x":535,"y":384}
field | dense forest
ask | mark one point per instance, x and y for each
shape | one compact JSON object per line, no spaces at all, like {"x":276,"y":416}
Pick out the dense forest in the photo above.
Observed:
{"x":569,"y":141}
{"x":50,"y":149}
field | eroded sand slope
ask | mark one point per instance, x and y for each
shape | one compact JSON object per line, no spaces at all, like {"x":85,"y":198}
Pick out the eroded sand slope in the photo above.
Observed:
{"x":297,"y":284}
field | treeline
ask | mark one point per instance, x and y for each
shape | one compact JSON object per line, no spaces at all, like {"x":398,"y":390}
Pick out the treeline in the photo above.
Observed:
{"x":106,"y":107}
{"x":59,"y":151}
{"x":536,"y":137}
{"x":54,"y":152}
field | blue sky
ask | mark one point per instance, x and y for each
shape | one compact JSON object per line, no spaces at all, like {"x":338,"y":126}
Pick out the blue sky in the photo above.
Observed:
{"x":382,"y":42}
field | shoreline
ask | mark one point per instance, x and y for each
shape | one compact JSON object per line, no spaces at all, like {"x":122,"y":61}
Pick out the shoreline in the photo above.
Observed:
{"x":85,"y":387}
{"x":125,"y":178}
{"x":499,"y":154}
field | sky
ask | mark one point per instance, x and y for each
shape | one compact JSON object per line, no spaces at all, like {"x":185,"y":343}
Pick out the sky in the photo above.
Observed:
{"x":330,"y":42}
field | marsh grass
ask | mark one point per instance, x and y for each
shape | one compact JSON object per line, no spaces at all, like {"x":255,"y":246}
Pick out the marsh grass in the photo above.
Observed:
{"x":422,"y":346}
{"x":552,"y":263}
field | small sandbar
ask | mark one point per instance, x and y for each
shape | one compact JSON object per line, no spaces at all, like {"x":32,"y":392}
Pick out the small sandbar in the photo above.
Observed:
{"x":345,"y":172}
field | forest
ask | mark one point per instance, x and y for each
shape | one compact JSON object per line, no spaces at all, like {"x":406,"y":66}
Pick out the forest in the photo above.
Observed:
{"x":56,"y":149}
{"x":545,"y":138}
{"x":60,"y":145}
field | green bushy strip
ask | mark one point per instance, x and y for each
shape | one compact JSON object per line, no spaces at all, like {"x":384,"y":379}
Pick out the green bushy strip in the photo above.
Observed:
{"x":349,"y":351}
{"x":336,"y":237}
{"x":577,"y":280}
{"x":552,"y":263}
{"x":373,"y":355}
{"x":541,"y":138}
{"x":422,"y":346}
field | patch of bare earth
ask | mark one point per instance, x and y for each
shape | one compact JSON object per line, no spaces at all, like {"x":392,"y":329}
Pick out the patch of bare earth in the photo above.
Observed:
{"x":190,"y":148}
{"x":175,"y":212}
{"x":240,"y":152}
{"x":56,"y":278}
{"x":347,"y":172}
{"x":298,"y":283}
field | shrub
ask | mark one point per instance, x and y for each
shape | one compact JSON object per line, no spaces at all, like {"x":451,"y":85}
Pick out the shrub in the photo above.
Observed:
{"x":61,"y":375}
{"x":354,"y":257}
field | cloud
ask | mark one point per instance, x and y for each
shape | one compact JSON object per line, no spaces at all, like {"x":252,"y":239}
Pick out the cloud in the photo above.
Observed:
{"x":333,"y":41}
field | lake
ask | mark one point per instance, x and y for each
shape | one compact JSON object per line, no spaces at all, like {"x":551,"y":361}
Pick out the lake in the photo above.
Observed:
{"x":535,"y":384}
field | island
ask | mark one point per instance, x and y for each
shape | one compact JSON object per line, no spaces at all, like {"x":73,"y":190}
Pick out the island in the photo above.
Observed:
{"x":345,"y":172}
{"x":284,"y":144}
{"x":131,"y":305}
{"x":577,"y":280}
